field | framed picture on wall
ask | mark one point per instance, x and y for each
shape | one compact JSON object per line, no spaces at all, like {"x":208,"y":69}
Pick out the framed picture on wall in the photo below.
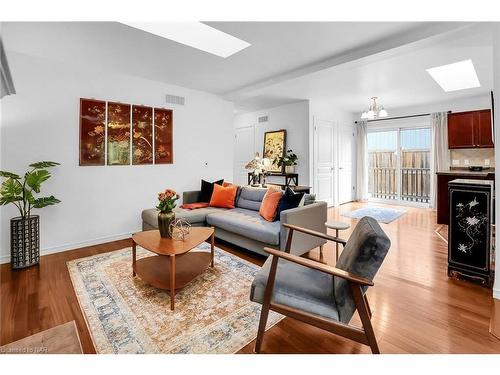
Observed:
{"x":92,"y":132}
{"x":274,"y":148}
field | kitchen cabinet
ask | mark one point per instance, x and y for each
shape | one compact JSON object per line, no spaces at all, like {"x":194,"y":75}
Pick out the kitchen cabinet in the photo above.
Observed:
{"x":484,"y":131}
{"x":470,"y":129}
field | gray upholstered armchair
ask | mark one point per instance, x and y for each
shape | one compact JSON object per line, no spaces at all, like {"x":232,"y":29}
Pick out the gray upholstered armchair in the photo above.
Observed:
{"x":319,"y":294}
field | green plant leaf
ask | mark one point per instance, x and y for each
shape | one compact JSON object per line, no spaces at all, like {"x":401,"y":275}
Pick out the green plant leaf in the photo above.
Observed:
{"x":44,"y":164}
{"x":29,"y":196}
{"x":7,"y":200}
{"x":11,"y":189}
{"x":9,"y":175}
{"x":45,"y":201}
{"x":34,"y":179}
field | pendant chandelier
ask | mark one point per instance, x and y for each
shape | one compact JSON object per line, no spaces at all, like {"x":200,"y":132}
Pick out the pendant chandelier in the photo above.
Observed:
{"x":374,"y":111}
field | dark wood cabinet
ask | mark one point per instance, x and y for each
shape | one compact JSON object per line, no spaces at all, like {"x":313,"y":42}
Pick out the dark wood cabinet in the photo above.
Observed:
{"x":442,"y":202}
{"x":461,"y":130}
{"x":484,"y":131}
{"x":470,"y":129}
{"x":469,"y":233}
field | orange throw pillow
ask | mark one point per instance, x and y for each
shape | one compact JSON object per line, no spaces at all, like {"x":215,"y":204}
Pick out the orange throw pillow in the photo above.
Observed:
{"x":269,"y":204}
{"x":223,"y":197}
{"x":226,"y":184}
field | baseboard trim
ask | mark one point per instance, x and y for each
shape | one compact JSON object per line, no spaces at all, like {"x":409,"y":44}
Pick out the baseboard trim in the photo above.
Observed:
{"x":76,"y":245}
{"x":496,"y":293}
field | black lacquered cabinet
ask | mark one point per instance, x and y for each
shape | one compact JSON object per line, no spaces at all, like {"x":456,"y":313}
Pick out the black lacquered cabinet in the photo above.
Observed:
{"x":469,"y":232}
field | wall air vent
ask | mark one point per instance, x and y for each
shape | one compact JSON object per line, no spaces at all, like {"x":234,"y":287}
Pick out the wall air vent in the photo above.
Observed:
{"x":173,"y":99}
{"x":264,"y":119}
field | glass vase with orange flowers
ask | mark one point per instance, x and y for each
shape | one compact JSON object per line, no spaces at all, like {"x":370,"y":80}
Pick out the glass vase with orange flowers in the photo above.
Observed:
{"x":167,"y":202}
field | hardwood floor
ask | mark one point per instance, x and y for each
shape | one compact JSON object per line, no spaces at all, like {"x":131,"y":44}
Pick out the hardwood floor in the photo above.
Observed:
{"x":416,"y":308}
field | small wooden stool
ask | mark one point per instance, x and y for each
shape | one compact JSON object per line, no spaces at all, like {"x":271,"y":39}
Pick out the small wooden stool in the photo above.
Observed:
{"x":337,"y":225}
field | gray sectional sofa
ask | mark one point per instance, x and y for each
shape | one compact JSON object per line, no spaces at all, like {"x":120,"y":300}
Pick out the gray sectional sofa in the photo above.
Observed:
{"x":243,"y":225}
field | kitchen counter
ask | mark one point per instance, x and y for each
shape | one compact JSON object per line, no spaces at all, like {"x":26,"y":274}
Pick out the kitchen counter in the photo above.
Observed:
{"x":465,"y":181}
{"x":466,"y":172}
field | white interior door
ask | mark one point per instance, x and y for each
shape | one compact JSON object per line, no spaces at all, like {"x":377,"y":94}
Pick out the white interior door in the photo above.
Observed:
{"x":345,"y":158}
{"x":244,"y":150}
{"x":324,"y":162}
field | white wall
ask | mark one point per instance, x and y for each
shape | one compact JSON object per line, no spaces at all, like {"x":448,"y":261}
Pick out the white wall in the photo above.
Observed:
{"x":496,"y":91}
{"x":98,"y":204}
{"x":292,"y":117}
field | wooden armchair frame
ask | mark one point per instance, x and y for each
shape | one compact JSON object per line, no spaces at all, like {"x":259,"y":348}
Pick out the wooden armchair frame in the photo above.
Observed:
{"x":364,"y":335}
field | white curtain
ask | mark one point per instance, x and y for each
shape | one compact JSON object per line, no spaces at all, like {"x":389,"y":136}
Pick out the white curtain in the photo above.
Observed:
{"x":361,"y":162}
{"x":441,"y":154}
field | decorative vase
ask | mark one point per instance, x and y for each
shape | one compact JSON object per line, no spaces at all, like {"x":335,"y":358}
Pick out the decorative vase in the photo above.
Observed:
{"x":164,"y":221}
{"x":24,"y":241}
{"x":290,"y":169}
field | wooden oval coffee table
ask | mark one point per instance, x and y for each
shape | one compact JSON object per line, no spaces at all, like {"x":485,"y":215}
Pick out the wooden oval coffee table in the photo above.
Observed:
{"x":175,"y":266}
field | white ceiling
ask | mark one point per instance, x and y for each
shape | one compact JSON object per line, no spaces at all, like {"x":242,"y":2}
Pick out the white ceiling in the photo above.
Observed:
{"x":277,"y":48}
{"x":287,"y":61}
{"x":398,"y":76}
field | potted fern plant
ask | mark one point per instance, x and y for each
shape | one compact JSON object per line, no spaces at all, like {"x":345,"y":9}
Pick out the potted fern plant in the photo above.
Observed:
{"x":25,"y":229}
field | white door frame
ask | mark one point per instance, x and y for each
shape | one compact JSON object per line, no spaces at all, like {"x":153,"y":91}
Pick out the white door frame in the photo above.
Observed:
{"x":344,"y":127}
{"x":334,"y":169}
{"x":236,"y":165}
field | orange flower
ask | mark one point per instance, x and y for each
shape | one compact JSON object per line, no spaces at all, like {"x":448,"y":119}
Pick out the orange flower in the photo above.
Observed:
{"x":167,"y":194}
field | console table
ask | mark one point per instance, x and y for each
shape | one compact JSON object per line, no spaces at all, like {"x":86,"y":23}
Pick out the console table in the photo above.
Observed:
{"x":290,"y":178}
{"x":291,"y":181}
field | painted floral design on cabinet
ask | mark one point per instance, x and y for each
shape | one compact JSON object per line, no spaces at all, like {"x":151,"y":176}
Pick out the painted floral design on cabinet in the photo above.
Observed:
{"x":92,"y":132}
{"x":118,"y":134}
{"x":142,"y":135}
{"x":469,"y":227}
{"x":163,"y":136}
{"x":472,"y":223}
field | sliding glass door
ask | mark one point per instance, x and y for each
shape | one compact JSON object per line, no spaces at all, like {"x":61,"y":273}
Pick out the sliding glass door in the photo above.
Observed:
{"x":399,"y":165}
{"x":383,"y":165}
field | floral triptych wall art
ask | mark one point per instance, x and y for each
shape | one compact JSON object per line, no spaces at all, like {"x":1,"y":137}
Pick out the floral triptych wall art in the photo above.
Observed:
{"x":123,"y":134}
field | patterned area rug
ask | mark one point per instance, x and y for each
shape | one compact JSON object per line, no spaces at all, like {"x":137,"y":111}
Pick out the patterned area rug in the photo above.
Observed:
{"x":213,"y":313}
{"x":381,"y":214}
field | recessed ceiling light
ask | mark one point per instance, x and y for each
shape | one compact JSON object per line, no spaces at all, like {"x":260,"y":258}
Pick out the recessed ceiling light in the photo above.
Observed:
{"x":196,"y":35}
{"x":457,"y":76}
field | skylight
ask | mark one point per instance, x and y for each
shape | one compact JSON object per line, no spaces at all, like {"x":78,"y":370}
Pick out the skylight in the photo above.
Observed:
{"x":457,"y":76}
{"x":196,"y":35}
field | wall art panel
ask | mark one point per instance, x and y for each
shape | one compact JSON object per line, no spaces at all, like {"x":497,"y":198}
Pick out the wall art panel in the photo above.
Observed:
{"x":92,"y":132}
{"x":142,"y":135}
{"x":163,"y":136}
{"x":118,"y":134}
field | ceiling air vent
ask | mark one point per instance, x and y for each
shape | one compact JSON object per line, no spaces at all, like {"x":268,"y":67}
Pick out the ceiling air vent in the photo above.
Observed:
{"x":173,"y":99}
{"x":264,"y":119}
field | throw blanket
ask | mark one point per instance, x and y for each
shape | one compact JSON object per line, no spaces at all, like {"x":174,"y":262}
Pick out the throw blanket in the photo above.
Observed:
{"x":194,"y":206}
